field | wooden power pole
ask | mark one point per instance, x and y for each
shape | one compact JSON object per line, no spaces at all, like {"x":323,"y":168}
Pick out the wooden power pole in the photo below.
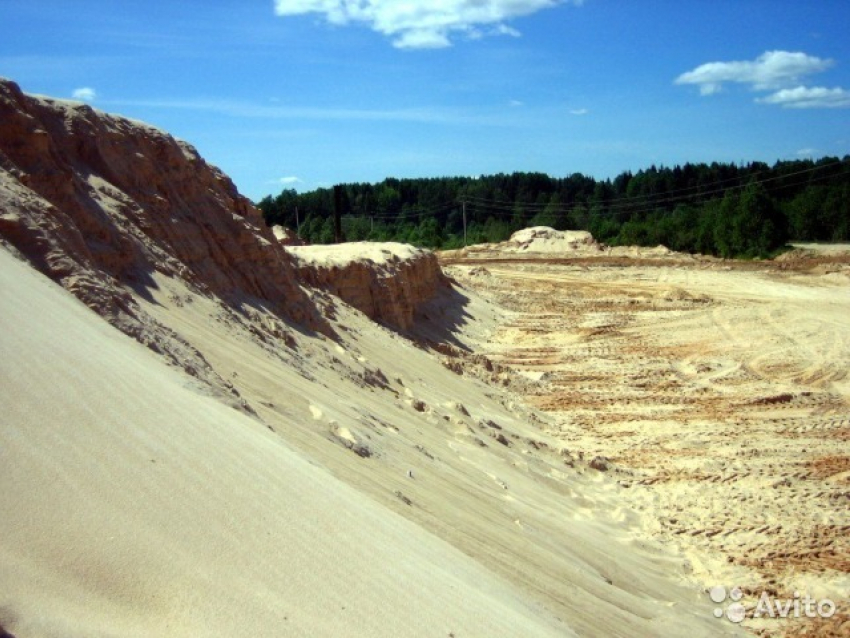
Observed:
{"x":464,"y":223}
{"x":338,"y":214}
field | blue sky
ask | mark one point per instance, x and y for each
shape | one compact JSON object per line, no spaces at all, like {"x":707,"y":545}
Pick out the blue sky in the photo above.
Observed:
{"x":308,"y":93}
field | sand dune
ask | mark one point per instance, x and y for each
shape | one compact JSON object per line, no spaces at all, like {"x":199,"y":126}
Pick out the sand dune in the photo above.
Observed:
{"x":134,"y":504}
{"x":134,"y":500}
{"x":459,"y":458}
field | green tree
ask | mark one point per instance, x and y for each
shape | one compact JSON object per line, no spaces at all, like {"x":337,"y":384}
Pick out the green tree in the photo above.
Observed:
{"x":757,"y":228}
{"x":723,"y":222}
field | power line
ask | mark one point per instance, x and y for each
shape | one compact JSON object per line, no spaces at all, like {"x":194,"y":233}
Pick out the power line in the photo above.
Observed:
{"x":666,"y":197}
{"x":624,"y":205}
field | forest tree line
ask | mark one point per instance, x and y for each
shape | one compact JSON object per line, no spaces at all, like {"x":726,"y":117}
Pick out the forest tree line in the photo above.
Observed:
{"x":728,"y":210}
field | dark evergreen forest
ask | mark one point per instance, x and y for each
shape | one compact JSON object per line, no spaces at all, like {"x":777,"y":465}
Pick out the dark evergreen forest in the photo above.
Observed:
{"x":721,"y":209}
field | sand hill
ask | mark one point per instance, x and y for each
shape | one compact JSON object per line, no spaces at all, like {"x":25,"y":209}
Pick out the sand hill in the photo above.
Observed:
{"x":386,"y":281}
{"x":543,"y":242}
{"x":203,"y":434}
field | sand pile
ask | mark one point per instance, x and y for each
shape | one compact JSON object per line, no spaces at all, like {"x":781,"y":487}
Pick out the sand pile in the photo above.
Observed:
{"x":96,"y":200}
{"x":132,"y":504}
{"x":386,"y":281}
{"x":534,"y":240}
{"x":367,"y":486}
{"x":287,"y":236}
{"x":542,"y":239}
{"x":541,"y":242}
{"x":100,"y":203}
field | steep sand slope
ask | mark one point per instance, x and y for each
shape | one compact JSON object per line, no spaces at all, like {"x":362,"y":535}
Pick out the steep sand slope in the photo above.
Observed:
{"x":99,"y":203}
{"x":133,"y":505}
{"x":456,"y":455}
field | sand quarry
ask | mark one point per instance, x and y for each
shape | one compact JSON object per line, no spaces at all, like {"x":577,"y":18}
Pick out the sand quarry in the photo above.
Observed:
{"x":204,"y":435}
{"x":715,"y":393}
{"x":598,"y":443}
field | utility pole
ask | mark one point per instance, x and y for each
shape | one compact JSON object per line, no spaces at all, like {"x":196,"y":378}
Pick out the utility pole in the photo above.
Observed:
{"x":297,"y":223}
{"x":464,"y":223}
{"x":338,"y":214}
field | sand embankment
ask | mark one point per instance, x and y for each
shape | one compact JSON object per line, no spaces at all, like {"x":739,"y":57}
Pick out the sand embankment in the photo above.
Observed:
{"x":133,"y":504}
{"x":386,"y":281}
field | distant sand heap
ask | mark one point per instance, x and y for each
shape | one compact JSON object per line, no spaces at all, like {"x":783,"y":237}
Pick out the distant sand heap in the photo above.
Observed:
{"x":542,"y":239}
{"x":535,"y":240}
{"x":545,"y":242}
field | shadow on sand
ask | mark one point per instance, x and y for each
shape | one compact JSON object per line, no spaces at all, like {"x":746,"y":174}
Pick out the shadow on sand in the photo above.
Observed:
{"x":441,"y":318}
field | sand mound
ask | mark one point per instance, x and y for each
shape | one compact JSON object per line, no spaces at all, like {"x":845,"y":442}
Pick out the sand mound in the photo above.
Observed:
{"x":287,"y":236}
{"x":542,"y":239}
{"x":386,"y":281}
{"x":579,"y":245}
{"x":100,"y":203}
{"x":537,"y":240}
{"x":97,"y":201}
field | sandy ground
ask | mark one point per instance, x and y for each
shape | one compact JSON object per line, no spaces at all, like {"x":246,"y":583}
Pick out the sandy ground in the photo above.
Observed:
{"x":341,"y":255}
{"x":824,"y":249}
{"x":573,"y":447}
{"x":376,"y":492}
{"x":133,"y":504}
{"x":716,"y":394}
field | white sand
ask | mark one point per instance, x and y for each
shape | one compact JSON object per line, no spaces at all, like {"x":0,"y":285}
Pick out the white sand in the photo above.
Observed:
{"x":823,"y":249}
{"x":340,"y":255}
{"x":133,"y":505}
{"x":542,"y":239}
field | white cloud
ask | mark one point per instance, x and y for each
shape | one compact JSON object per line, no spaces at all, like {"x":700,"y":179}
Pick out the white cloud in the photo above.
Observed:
{"x":807,"y":152}
{"x":771,"y":70}
{"x":579,"y":112}
{"x":425,"y":114}
{"x":289,"y":180}
{"x":503,"y":29}
{"x":777,"y":71}
{"x":422,"y":39}
{"x":710,"y":88}
{"x":516,"y":103}
{"x":84,"y":93}
{"x":804,"y":97}
{"x":420,"y":24}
